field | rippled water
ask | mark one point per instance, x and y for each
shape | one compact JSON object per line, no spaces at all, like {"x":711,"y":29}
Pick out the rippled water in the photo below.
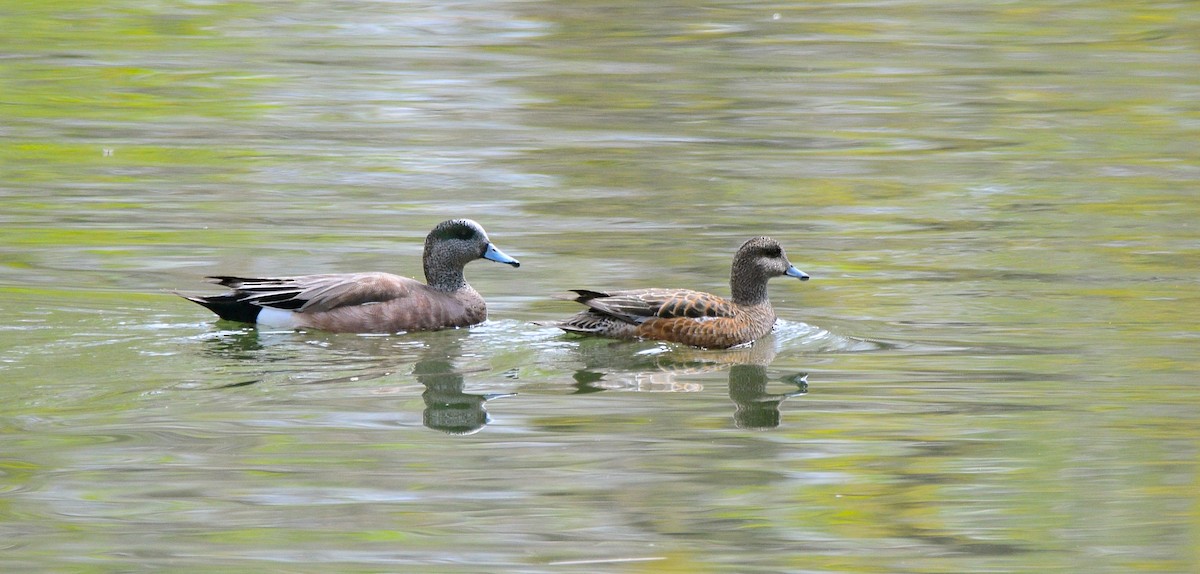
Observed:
{"x":993,"y":368}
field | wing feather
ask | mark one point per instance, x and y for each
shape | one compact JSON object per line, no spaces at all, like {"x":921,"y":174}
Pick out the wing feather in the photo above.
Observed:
{"x":316,"y":293}
{"x":640,"y":305}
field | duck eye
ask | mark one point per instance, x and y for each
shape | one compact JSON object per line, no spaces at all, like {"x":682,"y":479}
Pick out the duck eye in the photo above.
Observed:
{"x":773,"y":251}
{"x":464,"y":233}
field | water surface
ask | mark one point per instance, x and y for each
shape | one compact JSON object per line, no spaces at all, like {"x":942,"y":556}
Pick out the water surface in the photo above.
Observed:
{"x":993,"y":368}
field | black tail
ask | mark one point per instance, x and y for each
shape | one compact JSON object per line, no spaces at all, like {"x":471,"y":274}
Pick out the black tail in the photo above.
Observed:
{"x":585,"y":295}
{"x":228,"y":307}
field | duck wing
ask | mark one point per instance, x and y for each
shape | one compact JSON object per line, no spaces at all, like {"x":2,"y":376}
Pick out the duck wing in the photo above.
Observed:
{"x":639,"y":305}
{"x":316,"y":293}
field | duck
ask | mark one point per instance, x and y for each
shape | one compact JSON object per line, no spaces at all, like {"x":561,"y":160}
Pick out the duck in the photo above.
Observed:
{"x":690,"y":317}
{"x":373,"y":302}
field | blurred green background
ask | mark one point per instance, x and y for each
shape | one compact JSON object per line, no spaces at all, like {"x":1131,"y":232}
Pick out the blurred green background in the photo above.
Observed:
{"x":997,"y":202}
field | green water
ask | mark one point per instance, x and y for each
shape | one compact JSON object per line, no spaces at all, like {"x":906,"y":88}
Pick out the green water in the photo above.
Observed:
{"x":994,"y":368}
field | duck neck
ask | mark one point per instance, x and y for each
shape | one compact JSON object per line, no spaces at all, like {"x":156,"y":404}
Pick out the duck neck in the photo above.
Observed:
{"x":445,"y":280}
{"x":448,"y":279}
{"x":748,"y":286}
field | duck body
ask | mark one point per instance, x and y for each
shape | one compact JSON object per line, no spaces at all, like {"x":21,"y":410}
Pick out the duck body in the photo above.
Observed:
{"x":676,"y":315}
{"x":690,"y":317}
{"x":345,"y":303}
{"x":369,"y":302}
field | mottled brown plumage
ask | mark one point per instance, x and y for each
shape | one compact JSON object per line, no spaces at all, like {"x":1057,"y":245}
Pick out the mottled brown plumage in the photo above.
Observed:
{"x":370,"y":302}
{"x":691,"y":317}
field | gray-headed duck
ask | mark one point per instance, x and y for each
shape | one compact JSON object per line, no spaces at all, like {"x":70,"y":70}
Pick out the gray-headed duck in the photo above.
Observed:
{"x":369,"y":302}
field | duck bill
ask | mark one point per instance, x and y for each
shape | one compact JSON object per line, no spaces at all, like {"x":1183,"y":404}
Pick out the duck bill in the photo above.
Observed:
{"x":499,"y":256}
{"x":793,"y":272}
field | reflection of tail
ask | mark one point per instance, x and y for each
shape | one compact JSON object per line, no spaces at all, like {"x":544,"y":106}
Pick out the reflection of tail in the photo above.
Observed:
{"x":755,"y":408}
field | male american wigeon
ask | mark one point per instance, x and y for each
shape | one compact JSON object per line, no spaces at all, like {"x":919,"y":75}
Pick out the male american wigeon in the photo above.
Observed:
{"x":370,"y":302}
{"x":691,"y":317}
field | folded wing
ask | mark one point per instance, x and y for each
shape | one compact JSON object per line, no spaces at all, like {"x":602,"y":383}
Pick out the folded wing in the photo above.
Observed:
{"x":317,"y":293}
{"x":641,"y":305}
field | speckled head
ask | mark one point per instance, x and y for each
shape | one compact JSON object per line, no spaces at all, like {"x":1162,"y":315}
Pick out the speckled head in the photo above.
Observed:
{"x":757,"y":261}
{"x":451,"y":246}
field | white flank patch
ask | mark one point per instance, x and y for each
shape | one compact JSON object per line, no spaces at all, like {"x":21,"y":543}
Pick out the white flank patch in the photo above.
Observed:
{"x":276,"y":318}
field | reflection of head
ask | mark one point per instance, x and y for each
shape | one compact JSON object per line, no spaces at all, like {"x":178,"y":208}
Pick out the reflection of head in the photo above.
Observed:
{"x":460,"y":415}
{"x":755,"y":408}
{"x":447,"y":407}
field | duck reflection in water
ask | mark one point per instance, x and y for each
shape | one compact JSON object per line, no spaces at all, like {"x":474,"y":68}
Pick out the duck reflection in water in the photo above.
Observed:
{"x":657,"y":367}
{"x":754,"y":407}
{"x":621,"y":366}
{"x":447,"y":407}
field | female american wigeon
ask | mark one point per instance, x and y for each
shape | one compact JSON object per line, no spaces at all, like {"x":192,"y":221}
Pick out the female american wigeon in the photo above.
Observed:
{"x":370,"y":302}
{"x":691,"y":317}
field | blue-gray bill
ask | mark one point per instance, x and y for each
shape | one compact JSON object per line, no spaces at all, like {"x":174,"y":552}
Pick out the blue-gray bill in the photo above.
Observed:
{"x":499,"y":256}
{"x":793,"y":272}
